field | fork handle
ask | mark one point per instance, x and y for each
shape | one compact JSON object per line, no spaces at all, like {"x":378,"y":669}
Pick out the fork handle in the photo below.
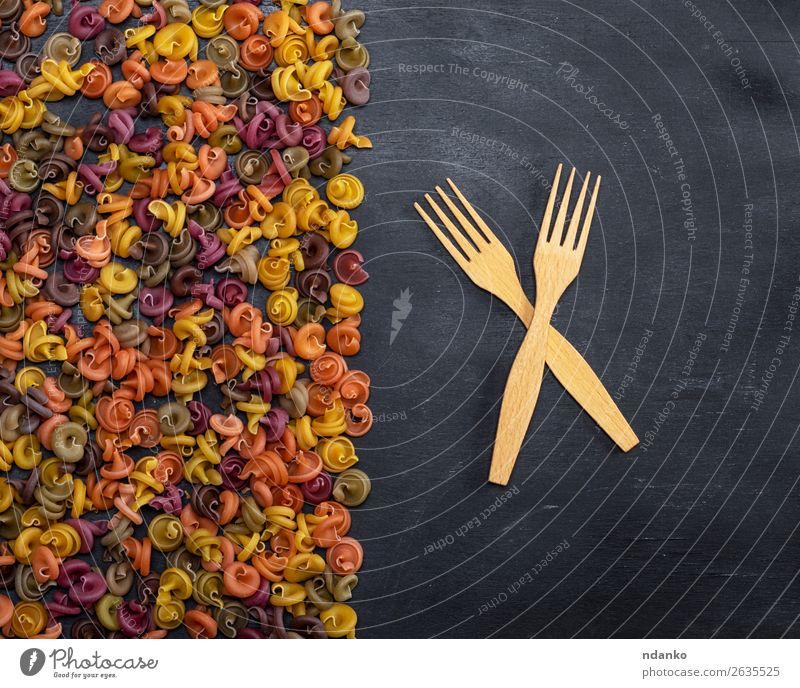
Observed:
{"x":577,"y":377}
{"x":519,"y":399}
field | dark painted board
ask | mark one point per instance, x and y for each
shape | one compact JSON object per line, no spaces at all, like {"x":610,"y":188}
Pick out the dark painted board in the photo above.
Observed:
{"x":693,"y":535}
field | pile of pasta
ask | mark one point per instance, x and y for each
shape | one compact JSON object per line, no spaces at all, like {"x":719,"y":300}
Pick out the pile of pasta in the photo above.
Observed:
{"x":178,"y":306}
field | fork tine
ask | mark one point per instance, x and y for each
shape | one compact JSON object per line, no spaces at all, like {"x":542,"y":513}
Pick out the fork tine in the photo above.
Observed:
{"x":468,"y":249}
{"x":544,"y":228}
{"x":577,"y":212}
{"x":457,"y":256}
{"x":488,"y":233}
{"x":587,"y":223}
{"x":558,"y":228}
{"x":466,"y":225}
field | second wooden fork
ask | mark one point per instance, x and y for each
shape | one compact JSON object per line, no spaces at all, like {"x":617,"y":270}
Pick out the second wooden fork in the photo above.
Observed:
{"x":556,"y":263}
{"x":482,"y":256}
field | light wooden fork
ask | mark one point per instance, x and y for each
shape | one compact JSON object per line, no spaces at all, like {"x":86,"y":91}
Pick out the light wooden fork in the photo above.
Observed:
{"x":490,"y":266}
{"x":556,"y":263}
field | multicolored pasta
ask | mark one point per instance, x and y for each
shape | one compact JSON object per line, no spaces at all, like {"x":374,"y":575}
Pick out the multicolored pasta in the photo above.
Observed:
{"x":178,"y":303}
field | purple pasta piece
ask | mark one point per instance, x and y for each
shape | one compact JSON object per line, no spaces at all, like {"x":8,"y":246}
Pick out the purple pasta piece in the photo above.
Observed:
{"x":31,"y":483}
{"x":144,"y":218}
{"x":87,"y":588}
{"x":275,"y":422}
{"x":260,"y":598}
{"x":250,"y":633}
{"x":211,"y":251}
{"x":309,"y":627}
{"x":85,"y":22}
{"x":154,"y":302}
{"x":88,"y":530}
{"x":200,"y":415}
{"x":286,"y":340}
{"x":169,"y":501}
{"x":79,"y":271}
{"x":228,"y":187}
{"x":273,"y":346}
{"x":314,"y":283}
{"x":272,"y":185}
{"x":5,"y":245}
{"x":289,"y":133}
{"x":90,"y":175}
{"x":314,"y":249}
{"x":259,"y":616}
{"x":314,"y":140}
{"x":121,"y":123}
{"x":206,"y":293}
{"x":61,"y":605}
{"x":10,"y":83}
{"x":230,"y":469}
{"x":318,"y":489}
{"x":265,"y":382}
{"x":196,"y":230}
{"x":278,"y":624}
{"x":241,"y":125}
{"x":158,"y":16}
{"x":148,"y":142}
{"x":270,"y":109}
{"x":231,"y":291}
{"x":56,"y":323}
{"x":347,"y":266}
{"x":71,"y":568}
{"x":258,"y":133}
{"x":278,"y":167}
{"x":105,"y":168}
{"x":133,"y":618}
{"x":12,"y":202}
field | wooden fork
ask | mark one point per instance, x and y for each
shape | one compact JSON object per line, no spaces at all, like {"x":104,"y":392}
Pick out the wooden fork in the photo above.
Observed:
{"x":556,"y":263}
{"x":490,"y":266}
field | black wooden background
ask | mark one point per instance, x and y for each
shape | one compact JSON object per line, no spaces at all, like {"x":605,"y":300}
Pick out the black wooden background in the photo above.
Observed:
{"x":692,"y":280}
